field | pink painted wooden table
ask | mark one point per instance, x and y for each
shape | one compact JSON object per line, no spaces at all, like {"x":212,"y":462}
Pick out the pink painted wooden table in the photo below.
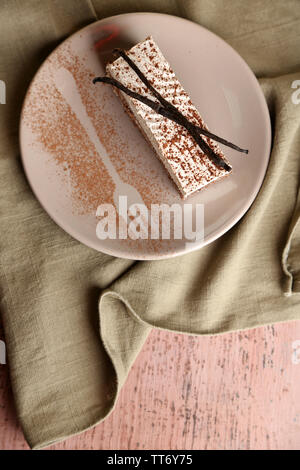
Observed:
{"x":235,"y":391}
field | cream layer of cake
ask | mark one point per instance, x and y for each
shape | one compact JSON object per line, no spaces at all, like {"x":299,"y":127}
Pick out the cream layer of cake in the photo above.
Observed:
{"x":189,"y":168}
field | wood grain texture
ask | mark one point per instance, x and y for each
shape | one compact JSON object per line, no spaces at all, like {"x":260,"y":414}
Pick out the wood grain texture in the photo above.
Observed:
{"x":235,"y":391}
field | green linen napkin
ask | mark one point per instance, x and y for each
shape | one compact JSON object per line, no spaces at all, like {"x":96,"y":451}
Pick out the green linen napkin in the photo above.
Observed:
{"x":66,"y":372}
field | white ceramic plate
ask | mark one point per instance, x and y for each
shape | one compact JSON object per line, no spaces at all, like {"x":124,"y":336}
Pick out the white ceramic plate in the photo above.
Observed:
{"x":64,"y":114}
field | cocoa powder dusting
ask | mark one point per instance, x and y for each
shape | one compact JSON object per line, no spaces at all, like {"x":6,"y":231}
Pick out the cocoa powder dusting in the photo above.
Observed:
{"x":61,"y":134}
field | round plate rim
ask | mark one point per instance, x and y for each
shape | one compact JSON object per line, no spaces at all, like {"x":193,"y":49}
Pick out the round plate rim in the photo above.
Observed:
{"x":212,"y":237}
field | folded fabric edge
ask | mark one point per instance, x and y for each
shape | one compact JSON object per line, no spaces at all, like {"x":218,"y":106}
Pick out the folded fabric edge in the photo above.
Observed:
{"x":291,"y":284}
{"x":119,"y":300}
{"x":121,"y":370}
{"x":113,"y":308}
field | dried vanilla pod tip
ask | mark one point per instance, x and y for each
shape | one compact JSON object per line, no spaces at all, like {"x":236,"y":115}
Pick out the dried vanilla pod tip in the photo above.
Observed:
{"x":157,"y":102}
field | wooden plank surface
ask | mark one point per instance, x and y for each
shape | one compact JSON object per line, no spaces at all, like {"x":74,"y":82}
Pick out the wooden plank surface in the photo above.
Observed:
{"x":234,"y":391}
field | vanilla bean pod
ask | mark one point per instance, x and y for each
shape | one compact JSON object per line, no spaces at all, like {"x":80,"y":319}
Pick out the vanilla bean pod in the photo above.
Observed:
{"x":170,"y":106}
{"x":168,"y":110}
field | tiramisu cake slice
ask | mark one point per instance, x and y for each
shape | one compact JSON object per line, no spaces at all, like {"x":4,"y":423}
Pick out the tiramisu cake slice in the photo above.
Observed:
{"x":190,"y":168}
